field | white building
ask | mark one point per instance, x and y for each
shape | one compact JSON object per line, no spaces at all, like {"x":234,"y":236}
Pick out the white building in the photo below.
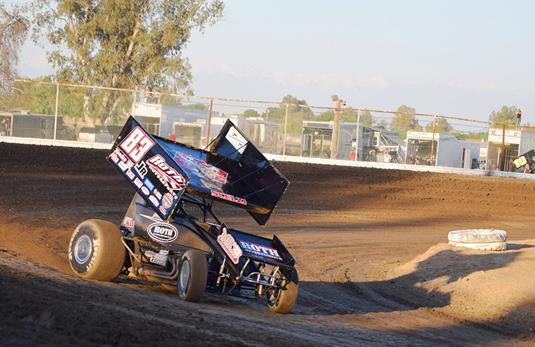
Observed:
{"x":426,"y":148}
{"x":505,"y":146}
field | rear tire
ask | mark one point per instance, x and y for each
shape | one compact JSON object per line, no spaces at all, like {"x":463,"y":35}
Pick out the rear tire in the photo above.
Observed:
{"x":283,"y":300}
{"x":192,"y":276}
{"x":96,"y":251}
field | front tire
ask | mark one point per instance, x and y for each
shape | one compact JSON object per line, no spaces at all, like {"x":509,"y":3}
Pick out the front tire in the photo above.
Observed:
{"x":96,"y":251}
{"x":192,"y":277}
{"x":283,"y":300}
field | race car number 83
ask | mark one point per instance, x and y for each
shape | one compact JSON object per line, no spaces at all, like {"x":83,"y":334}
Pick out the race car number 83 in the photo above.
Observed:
{"x":136,"y":144}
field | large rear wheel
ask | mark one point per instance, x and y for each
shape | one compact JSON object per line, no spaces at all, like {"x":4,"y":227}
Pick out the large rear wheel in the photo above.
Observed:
{"x":96,"y":251}
{"x":192,"y":276}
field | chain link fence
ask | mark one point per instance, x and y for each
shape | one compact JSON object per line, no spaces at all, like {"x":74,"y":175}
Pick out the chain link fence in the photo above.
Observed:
{"x":47,"y":110}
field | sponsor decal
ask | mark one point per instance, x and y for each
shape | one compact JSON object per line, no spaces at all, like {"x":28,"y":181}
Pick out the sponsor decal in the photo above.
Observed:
{"x":260,"y":250}
{"x":229,"y":197}
{"x":201,"y":168}
{"x":128,"y":223}
{"x":162,"y":232}
{"x":520,"y":161}
{"x":167,"y":200}
{"x":169,"y":177}
{"x":141,"y":169}
{"x":236,"y":139}
{"x":121,"y":160}
{"x":229,"y":245}
{"x":159,"y":258}
{"x":135,"y":174}
{"x":154,"y":200}
{"x":148,"y":184}
{"x":136,"y":144}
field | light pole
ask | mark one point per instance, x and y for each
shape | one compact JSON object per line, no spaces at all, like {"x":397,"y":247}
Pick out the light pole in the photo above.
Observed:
{"x":338,"y":103}
{"x":358,"y":137}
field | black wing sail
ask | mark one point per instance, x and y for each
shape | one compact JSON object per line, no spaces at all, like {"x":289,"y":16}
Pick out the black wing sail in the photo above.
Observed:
{"x":231,"y":170}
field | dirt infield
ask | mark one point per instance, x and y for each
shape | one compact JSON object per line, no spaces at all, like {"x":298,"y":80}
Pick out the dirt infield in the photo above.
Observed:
{"x":355,"y":233}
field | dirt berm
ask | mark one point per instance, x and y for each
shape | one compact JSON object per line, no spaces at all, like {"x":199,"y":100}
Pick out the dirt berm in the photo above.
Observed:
{"x":368,"y":245}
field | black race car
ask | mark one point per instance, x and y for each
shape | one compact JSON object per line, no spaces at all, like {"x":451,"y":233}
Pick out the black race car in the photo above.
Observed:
{"x":170,"y":233}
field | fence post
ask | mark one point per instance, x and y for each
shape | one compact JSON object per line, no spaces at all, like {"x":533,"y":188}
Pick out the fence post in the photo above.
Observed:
{"x":358,"y":137}
{"x":488,"y":166}
{"x":285,"y":129}
{"x":209,"y":125}
{"x":134,"y":103}
{"x":56,"y":113}
{"x":433,"y":141}
{"x":502,"y":155}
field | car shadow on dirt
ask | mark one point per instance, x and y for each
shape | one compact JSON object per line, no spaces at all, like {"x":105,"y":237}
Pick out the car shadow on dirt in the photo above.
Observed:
{"x":406,"y":293}
{"x":448,"y":265}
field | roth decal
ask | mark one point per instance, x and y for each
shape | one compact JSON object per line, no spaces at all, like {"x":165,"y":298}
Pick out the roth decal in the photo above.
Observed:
{"x":260,"y":250}
{"x":169,"y":177}
{"x":162,"y":232}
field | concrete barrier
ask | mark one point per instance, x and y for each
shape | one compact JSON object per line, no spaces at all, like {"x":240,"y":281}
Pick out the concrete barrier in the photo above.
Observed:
{"x":57,"y":143}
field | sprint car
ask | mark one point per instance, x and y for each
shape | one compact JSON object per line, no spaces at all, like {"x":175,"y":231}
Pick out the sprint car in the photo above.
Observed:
{"x":526,"y":161}
{"x":170,"y":233}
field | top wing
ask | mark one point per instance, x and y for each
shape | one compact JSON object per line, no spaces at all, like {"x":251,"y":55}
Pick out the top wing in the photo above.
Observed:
{"x":232,"y":170}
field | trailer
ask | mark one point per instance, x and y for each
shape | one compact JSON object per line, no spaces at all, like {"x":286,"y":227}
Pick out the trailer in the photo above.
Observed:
{"x":426,"y":148}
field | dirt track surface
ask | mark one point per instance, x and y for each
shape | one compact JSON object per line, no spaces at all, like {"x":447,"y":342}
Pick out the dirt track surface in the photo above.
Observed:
{"x":350,"y":229}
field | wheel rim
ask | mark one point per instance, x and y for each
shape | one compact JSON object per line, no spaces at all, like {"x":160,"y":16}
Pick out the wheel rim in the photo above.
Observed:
{"x":273,"y":295}
{"x":184,"y":276}
{"x":82,"y":249}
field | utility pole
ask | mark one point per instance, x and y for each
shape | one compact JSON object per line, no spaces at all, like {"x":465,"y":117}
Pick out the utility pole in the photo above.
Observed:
{"x":285,"y":130}
{"x":209,"y":126}
{"x":56,"y":112}
{"x":336,"y":126}
{"x":502,"y":154}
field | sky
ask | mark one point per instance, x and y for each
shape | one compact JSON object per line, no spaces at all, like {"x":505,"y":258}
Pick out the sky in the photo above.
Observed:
{"x":454,"y":57}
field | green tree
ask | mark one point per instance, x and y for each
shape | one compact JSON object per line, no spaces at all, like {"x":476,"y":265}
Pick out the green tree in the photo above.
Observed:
{"x":13,"y":30}
{"x":441,"y":125}
{"x":298,"y":111}
{"x":348,"y":116}
{"x":470,"y":135}
{"x":196,"y":106}
{"x":122,"y":43}
{"x":325,"y":116}
{"x":250,"y":113}
{"x":506,"y":115}
{"x":366,"y":118}
{"x":39,"y":96}
{"x":381,"y":123}
{"x":404,"y":121}
{"x":295,"y":105}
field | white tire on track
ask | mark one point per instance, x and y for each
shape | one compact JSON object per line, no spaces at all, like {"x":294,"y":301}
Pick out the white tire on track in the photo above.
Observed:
{"x":481,"y":239}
